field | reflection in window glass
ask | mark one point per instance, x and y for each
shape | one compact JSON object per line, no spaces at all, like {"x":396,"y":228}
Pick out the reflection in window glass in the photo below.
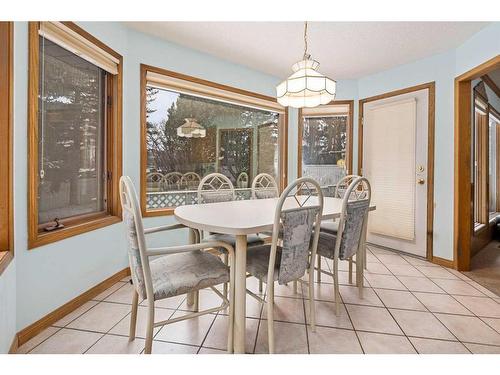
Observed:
{"x":324,"y":144}
{"x":71,"y":135}
{"x":237,"y":141}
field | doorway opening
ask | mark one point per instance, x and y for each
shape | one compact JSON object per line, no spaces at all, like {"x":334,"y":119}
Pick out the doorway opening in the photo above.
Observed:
{"x":477,"y":173}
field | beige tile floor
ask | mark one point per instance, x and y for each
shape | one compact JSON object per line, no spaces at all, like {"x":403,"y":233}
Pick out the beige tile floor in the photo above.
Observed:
{"x":408,"y":306}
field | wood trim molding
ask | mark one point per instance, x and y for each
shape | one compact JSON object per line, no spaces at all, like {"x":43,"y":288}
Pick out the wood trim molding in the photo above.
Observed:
{"x":33,"y":329}
{"x":350,"y":135}
{"x":144,"y":68}
{"x":487,"y":79}
{"x":463,"y":230}
{"x":114,"y":136}
{"x":431,"y":87}
{"x":14,"y":345}
{"x":6,"y":134}
{"x":443,"y":262}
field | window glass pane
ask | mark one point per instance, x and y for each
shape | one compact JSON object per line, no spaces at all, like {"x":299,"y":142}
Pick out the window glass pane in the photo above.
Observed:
{"x":324,"y":144}
{"x":237,"y":141}
{"x":71,"y":130}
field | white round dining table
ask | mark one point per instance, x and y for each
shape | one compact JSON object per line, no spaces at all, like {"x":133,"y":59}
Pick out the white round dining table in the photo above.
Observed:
{"x":241,"y":218}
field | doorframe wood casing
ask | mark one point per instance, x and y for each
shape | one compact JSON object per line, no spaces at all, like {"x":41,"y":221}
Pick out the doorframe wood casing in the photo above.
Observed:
{"x":463,"y":187}
{"x":350,"y":134}
{"x":431,"y":87}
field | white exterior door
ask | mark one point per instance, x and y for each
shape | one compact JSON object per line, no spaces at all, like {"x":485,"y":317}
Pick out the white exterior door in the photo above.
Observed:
{"x":395,"y":162}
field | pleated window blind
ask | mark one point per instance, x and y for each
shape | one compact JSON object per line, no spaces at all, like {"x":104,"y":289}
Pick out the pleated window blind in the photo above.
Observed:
{"x":65,"y":37}
{"x":389,"y":164}
{"x":199,"y":89}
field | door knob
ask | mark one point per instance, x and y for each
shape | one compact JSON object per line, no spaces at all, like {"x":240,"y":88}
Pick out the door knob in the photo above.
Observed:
{"x":420,"y":181}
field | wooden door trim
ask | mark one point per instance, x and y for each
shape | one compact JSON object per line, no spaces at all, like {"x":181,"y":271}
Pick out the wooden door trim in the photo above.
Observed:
{"x":6,"y":105}
{"x":463,"y":211}
{"x":350,"y":132}
{"x":431,"y":86}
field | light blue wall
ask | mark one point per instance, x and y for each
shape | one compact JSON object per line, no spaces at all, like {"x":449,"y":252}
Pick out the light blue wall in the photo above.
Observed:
{"x":440,"y":69}
{"x":479,"y":48}
{"x":50,"y":276}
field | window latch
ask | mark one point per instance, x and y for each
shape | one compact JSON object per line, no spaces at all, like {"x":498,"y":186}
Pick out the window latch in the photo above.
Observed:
{"x":57,"y":225}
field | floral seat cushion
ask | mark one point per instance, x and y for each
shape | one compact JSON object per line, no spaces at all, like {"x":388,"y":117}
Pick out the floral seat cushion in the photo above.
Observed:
{"x":181,"y":273}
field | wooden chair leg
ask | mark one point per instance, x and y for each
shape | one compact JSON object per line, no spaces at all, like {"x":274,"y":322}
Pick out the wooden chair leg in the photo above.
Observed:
{"x":319,"y":268}
{"x":270,"y":316}
{"x":350,"y":269}
{"x":312,"y":309}
{"x":133,"y":315}
{"x":196,"y":305}
{"x":150,"y":327}
{"x":226,"y":262}
{"x":230,"y":333}
{"x":336,"y":285}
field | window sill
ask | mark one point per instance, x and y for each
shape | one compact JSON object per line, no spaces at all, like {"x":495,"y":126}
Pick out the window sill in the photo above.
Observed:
{"x":45,"y":238}
{"x":5,"y":259}
{"x":158,"y":212}
{"x":479,"y":228}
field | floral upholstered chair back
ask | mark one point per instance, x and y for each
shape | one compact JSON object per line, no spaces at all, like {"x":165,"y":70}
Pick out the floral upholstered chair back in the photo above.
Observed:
{"x":264,"y":186}
{"x":138,"y":261}
{"x":343,"y":185}
{"x":353,"y":219}
{"x":215,"y":187}
{"x":297,"y":224}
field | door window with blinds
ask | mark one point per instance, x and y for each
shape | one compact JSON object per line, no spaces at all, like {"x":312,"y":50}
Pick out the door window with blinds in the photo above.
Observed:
{"x":193,"y":128}
{"x":324,"y":149}
{"x":75,"y":125}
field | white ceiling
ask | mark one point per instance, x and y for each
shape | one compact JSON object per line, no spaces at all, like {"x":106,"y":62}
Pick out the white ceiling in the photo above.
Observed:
{"x":346,"y":50}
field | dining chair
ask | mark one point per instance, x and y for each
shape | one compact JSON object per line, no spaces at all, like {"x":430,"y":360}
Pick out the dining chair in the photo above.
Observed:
{"x":332,"y":226}
{"x":350,"y":237}
{"x":172,"y":181}
{"x":164,"y":272}
{"x":214,"y":188}
{"x":190,"y":180}
{"x":242,"y":180}
{"x":291,"y":252}
{"x":264,"y":186}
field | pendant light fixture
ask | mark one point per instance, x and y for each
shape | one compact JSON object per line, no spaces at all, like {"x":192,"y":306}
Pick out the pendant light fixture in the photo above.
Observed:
{"x":191,"y":129}
{"x":306,"y":87}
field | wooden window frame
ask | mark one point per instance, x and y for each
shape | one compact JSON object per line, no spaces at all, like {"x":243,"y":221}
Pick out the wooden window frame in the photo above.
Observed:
{"x":350,"y":132}
{"x":496,"y":114}
{"x":282,"y":139}
{"x":6,"y":149}
{"x":481,"y":155}
{"x":83,"y":223}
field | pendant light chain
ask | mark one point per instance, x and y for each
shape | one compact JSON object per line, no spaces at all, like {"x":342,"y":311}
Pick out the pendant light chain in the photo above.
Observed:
{"x":305,"y":40}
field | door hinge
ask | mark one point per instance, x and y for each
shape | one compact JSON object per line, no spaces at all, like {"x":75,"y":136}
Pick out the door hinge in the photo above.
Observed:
{"x":109,"y":175}
{"x":109,"y":100}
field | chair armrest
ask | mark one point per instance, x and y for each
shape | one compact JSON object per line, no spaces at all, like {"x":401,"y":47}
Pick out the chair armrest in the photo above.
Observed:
{"x":187,"y":248}
{"x":163,"y":228}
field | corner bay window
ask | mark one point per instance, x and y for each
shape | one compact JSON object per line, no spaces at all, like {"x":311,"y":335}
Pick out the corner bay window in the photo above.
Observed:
{"x":193,"y":129}
{"x":73,"y":132}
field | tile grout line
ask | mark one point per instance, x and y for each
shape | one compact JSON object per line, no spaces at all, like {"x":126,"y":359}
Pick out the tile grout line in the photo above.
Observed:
{"x":427,"y":311}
